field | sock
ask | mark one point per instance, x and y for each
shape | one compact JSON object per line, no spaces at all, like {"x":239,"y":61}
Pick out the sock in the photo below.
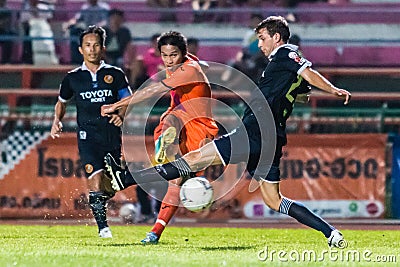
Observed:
{"x":168,"y":171}
{"x":305,"y":216}
{"x":168,"y":208}
{"x":97,"y":202}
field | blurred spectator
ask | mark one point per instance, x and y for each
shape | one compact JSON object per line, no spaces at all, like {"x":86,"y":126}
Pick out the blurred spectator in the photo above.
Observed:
{"x":6,"y":32}
{"x":34,"y":21}
{"x":149,"y":205}
{"x":223,"y":17}
{"x":201,"y":10}
{"x":147,"y":65}
{"x":193,"y":45}
{"x":118,"y":41}
{"x":93,"y":12}
{"x":152,"y":61}
{"x":250,"y":40}
{"x":251,"y":3}
{"x":290,"y":4}
{"x":166,"y":8}
{"x":240,"y":2}
{"x":250,"y":60}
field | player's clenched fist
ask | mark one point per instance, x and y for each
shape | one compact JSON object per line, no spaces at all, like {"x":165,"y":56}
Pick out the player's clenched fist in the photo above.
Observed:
{"x":107,"y":109}
{"x":56,"y":129}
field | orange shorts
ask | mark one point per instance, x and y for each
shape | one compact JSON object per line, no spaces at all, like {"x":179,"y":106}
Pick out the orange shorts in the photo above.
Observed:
{"x":192,"y":135}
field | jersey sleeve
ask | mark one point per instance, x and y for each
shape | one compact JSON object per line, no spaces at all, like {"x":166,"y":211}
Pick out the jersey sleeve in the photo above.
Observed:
{"x":66,"y":92}
{"x":293,"y":61}
{"x":184,"y":75}
{"x":124,"y":89}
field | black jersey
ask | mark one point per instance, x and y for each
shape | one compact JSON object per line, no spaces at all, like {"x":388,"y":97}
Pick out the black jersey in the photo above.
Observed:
{"x":90,"y":91}
{"x":280,"y":83}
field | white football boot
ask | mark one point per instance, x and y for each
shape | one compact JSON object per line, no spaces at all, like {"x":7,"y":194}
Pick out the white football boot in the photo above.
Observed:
{"x":105,"y":233}
{"x":337,"y":240}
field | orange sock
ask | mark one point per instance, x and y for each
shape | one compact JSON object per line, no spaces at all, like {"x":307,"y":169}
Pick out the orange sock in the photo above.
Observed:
{"x":168,"y":208}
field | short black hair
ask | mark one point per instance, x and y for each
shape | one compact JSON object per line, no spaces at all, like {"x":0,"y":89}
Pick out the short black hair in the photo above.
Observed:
{"x":173,"y":38}
{"x":275,"y":24}
{"x":99,"y":31}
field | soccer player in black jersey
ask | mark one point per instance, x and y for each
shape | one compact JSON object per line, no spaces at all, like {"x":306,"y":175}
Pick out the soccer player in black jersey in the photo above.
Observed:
{"x":286,"y":75}
{"x":92,"y":85}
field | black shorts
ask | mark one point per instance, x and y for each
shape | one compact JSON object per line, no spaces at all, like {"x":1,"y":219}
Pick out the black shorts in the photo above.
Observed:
{"x":245,"y":144}
{"x":92,"y":156}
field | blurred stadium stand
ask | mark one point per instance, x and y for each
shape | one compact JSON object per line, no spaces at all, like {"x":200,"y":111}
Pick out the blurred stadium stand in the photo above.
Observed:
{"x":342,"y":34}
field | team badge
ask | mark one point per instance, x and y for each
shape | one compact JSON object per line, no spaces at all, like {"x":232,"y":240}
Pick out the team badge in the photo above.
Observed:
{"x":82,"y":135}
{"x":108,"y":79}
{"x":294,"y":56}
{"x":89,"y":168}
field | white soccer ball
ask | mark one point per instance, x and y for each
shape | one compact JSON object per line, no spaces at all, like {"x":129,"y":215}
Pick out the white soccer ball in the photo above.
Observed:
{"x":196,"y":194}
{"x":129,"y":213}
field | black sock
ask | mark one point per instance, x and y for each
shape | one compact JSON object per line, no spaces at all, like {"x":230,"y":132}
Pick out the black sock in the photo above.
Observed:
{"x":168,"y":171}
{"x":97,"y":202}
{"x":303,"y":215}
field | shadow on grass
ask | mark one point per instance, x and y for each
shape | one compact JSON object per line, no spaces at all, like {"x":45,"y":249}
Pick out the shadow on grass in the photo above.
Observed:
{"x":238,"y":248}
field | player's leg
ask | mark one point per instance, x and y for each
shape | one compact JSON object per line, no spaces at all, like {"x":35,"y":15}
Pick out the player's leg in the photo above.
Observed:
{"x":91,"y":158}
{"x":166,"y":144}
{"x":145,"y":205}
{"x":191,"y":138}
{"x":194,"y":161}
{"x":296,"y":210}
{"x":98,"y":203}
{"x":273,"y":199}
{"x":168,"y":208}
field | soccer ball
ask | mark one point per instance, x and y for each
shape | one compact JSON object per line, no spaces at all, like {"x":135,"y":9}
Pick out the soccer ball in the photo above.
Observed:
{"x":196,"y":194}
{"x":128,"y":213}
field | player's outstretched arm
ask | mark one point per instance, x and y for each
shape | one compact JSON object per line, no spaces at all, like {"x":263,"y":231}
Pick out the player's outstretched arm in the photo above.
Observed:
{"x":319,"y":81}
{"x":59,"y":112}
{"x":139,"y":96}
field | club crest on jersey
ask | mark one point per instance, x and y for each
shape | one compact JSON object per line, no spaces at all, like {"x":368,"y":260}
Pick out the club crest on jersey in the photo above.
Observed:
{"x":108,"y":79}
{"x":89,"y":168}
{"x":295,"y":57}
{"x":82,"y":135}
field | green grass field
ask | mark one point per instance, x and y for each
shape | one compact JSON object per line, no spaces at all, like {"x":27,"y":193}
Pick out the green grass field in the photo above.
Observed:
{"x":61,"y":245}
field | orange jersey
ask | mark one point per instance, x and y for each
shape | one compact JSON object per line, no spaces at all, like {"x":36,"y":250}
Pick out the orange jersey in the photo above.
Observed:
{"x":191,"y":97}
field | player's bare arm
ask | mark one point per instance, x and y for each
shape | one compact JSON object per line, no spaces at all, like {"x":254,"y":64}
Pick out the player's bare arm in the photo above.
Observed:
{"x":319,"y":81}
{"x":118,"y":119}
{"x":139,"y":96}
{"x":59,"y":112}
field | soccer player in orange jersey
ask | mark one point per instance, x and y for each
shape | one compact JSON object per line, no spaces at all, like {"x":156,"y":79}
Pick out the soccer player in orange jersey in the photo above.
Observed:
{"x":259,"y":140}
{"x":185,"y":126}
